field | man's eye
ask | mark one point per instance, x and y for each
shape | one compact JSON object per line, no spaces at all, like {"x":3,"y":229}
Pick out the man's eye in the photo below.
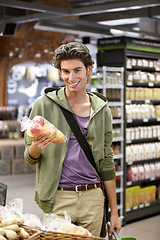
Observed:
{"x":65,"y":72}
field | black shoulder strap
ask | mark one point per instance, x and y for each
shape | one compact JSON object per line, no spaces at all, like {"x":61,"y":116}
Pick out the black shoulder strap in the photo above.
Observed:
{"x":79,"y":136}
{"x":86,"y":148}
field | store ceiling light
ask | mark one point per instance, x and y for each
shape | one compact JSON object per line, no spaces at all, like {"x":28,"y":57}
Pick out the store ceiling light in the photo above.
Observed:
{"x":119,"y":22}
{"x":124,"y":33}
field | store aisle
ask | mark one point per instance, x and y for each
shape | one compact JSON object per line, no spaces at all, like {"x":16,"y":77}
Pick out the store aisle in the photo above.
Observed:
{"x":22,"y":186}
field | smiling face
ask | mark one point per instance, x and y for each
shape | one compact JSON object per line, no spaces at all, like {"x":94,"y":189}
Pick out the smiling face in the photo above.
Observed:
{"x":75,"y":74}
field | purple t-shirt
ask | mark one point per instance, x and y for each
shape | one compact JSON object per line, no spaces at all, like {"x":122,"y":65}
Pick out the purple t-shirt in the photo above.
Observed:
{"x":76,"y":168}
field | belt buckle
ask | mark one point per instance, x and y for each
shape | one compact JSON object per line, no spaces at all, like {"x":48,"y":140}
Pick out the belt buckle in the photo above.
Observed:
{"x":76,"y":187}
{"x":85,"y":185}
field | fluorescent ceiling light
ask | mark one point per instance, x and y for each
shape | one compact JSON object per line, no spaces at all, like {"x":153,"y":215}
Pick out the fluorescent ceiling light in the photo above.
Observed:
{"x":136,"y":29}
{"x":117,"y":9}
{"x":135,"y":7}
{"x":118,"y":22}
{"x":124,"y":33}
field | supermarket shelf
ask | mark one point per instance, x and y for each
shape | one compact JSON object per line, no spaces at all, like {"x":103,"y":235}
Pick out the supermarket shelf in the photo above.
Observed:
{"x":142,"y":140}
{"x":119,"y":190}
{"x":97,"y":86}
{"x":147,"y":101}
{"x":142,"y":121}
{"x":117,"y":139}
{"x":114,"y":61}
{"x":107,"y":86}
{"x":119,"y":173}
{"x":143,"y":161}
{"x":139,"y":84}
{"x":115,"y":104}
{"x":117,"y":121}
{"x":142,"y":211}
{"x":149,"y":180}
{"x":144,"y":69}
{"x":118,"y":156}
{"x":111,"y":69}
{"x":113,"y":86}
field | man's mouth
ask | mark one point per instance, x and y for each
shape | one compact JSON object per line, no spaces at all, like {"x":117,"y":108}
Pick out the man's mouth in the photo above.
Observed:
{"x":73,"y":84}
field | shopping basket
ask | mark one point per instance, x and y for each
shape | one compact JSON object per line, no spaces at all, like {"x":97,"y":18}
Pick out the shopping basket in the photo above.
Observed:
{"x":116,"y":235}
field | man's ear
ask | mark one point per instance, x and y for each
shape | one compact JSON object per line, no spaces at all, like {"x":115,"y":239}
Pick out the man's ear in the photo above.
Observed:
{"x":90,"y":68}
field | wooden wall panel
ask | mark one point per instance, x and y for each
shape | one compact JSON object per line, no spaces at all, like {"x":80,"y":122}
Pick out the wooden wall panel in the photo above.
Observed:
{"x":27,"y":45}
{"x":4,"y":70}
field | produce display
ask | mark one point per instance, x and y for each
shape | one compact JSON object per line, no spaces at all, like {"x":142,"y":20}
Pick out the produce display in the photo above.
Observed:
{"x":11,"y":228}
{"x":16,"y":225}
{"x":52,"y":223}
{"x":39,"y":125}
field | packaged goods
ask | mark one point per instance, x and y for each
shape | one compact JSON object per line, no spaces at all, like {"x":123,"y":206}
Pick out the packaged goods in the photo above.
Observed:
{"x":142,"y":196}
{"x":157,"y":167}
{"x":141,"y":152}
{"x":39,"y":125}
{"x":141,"y":174}
{"x":132,"y":174}
{"x":157,"y":77}
{"x":129,"y":77}
{"x":153,"y":170}
{"x":135,"y":195}
{"x":147,"y":171}
{"x":152,"y":193}
{"x":129,"y":202}
{"x":128,"y":155}
{"x":153,"y":150}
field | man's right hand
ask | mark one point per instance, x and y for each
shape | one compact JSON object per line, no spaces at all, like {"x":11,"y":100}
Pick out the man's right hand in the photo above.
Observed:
{"x":39,"y":143}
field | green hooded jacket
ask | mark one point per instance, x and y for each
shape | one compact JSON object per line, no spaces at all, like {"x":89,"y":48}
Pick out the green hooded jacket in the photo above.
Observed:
{"x":49,"y":164}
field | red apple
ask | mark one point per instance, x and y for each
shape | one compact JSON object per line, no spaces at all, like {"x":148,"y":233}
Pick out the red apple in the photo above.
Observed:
{"x":59,"y":137}
{"x":48,"y":127}
{"x":39,"y":119}
{"x":82,"y":232}
{"x":36,"y":129}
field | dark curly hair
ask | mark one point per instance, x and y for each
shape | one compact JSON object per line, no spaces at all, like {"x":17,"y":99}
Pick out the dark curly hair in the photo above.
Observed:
{"x":72,"y":50}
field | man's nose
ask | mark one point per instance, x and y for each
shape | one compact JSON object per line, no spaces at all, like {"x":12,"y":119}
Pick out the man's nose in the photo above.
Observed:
{"x":72,"y":76}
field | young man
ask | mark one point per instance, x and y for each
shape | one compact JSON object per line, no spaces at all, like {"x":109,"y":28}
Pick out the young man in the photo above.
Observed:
{"x":65,"y":180}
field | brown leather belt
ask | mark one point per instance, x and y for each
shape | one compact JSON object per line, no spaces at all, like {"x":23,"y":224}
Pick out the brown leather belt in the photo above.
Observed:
{"x":80,"y":188}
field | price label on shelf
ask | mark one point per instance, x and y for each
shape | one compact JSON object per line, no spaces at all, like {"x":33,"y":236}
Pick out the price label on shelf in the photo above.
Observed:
{"x":135,"y":207}
{"x":129,"y":120}
{"x":128,"y":209}
{"x":150,"y":84}
{"x":147,"y":204}
{"x":145,"y":120}
{"x":129,"y":183}
{"x":152,"y":178}
{"x":141,"y":206}
{"x":129,"y":83}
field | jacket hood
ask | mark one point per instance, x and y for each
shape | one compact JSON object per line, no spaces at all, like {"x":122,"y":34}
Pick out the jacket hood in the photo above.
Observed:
{"x":58,"y":95}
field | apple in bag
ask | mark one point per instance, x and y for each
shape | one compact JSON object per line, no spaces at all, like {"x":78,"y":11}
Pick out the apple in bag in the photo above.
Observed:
{"x":47,"y":127}
{"x":35,"y":129}
{"x":59,"y":137}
